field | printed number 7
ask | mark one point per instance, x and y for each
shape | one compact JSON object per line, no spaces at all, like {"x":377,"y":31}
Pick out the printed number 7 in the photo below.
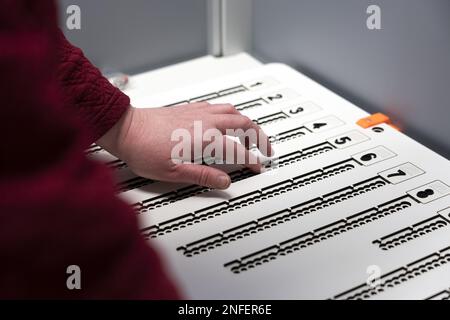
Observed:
{"x":399,"y":173}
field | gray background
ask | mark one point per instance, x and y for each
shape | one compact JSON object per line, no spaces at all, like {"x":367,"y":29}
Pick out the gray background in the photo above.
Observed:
{"x":136,"y":35}
{"x":402,"y":70}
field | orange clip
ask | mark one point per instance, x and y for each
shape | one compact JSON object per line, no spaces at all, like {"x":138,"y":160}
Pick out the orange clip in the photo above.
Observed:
{"x":375,"y":119}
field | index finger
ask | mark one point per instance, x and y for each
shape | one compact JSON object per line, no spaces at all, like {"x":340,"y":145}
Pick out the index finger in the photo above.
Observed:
{"x":253,"y":134}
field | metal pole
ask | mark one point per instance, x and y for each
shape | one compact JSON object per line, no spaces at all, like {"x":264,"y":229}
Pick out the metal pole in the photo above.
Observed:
{"x":229,"y":26}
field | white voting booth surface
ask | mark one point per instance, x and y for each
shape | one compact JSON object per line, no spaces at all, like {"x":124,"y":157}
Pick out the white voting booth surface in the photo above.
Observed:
{"x":343,"y":212}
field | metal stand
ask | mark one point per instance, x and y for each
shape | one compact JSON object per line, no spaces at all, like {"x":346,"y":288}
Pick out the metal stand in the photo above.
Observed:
{"x":229,"y":26}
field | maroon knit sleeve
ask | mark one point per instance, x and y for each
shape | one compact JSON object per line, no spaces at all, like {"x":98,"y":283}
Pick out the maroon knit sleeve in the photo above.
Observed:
{"x":58,"y":209}
{"x":99,"y":104}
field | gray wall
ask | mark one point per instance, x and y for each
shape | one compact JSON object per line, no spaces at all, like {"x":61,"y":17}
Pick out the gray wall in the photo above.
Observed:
{"x":137,"y":35}
{"x":402,"y":70}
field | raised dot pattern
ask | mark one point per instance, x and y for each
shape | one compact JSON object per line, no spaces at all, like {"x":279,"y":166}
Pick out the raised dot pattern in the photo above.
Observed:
{"x":313,"y":237}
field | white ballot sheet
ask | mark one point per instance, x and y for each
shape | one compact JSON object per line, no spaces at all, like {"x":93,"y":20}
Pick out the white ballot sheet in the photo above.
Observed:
{"x":345,"y":213}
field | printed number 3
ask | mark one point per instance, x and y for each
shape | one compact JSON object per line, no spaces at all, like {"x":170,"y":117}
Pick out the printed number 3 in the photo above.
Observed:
{"x":277,"y":96}
{"x":296,"y":110}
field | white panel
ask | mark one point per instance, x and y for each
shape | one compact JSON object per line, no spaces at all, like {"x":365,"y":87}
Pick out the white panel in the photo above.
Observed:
{"x":338,"y":200}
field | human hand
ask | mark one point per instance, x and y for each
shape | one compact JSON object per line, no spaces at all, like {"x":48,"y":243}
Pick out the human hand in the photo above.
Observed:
{"x":143,"y":138}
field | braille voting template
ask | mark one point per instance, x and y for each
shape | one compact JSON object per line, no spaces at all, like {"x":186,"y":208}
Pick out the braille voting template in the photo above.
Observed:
{"x":342,"y":211}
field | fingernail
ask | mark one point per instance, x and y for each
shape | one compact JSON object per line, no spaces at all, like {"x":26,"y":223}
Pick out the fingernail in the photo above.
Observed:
{"x":223,"y":182}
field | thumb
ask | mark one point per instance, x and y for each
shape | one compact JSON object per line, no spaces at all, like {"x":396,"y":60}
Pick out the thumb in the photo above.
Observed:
{"x":203,"y":175}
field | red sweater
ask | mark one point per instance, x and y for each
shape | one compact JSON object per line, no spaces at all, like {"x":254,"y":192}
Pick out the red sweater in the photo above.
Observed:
{"x":56,"y":207}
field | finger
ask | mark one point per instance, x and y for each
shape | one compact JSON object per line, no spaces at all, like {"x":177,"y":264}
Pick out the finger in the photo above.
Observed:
{"x":236,"y":153}
{"x":197,"y":105}
{"x":223,"y":109}
{"x":254,"y":136}
{"x":232,"y":121}
{"x":202,"y":175}
{"x":261,"y":140}
{"x":190,"y":106}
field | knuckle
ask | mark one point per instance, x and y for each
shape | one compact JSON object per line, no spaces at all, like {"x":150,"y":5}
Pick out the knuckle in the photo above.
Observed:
{"x":230,"y":108}
{"x":247,"y":121}
{"x":172,"y":173}
{"x":203,"y":177}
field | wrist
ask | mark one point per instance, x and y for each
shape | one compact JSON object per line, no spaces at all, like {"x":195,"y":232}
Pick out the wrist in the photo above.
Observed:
{"x":113,"y":140}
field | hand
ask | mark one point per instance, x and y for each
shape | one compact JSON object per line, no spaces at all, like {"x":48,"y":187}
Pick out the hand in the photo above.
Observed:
{"x":142,"y":138}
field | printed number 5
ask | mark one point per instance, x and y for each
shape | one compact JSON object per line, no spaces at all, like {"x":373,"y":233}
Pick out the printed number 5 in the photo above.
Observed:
{"x":342,"y":140}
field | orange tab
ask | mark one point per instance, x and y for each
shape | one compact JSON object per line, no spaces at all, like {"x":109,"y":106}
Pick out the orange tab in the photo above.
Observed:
{"x":373,"y":120}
